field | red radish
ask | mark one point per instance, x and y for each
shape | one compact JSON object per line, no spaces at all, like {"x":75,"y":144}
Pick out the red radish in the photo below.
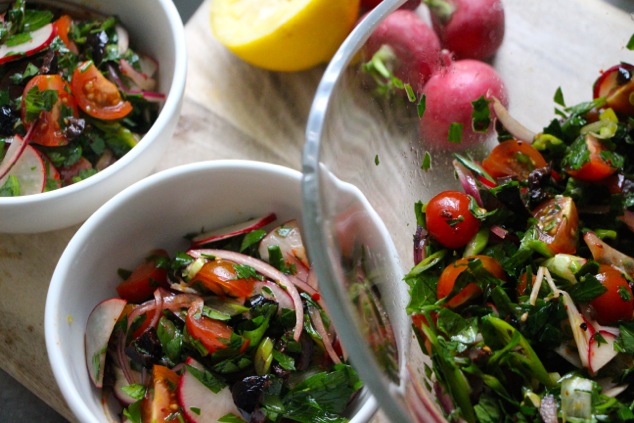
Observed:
{"x":617,"y":86}
{"x":233,"y":230}
{"x":471,"y":29}
{"x":139,"y":80}
{"x":99,"y":327}
{"x":13,"y":153}
{"x":371,"y":4}
{"x":121,"y":382}
{"x":450,"y":93}
{"x":414,"y":45}
{"x":38,"y":40}
{"x":30,"y":171}
{"x":289,"y":238}
{"x":123,"y":39}
{"x":601,"y":352}
{"x":199,"y":403}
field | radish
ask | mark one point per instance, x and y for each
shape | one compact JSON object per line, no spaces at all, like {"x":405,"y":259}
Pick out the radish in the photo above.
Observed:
{"x":413,"y":47}
{"x":601,"y":352}
{"x":38,"y":40}
{"x":121,"y":382}
{"x":199,"y":403}
{"x":593,"y":354}
{"x":289,"y":238}
{"x":450,"y":94}
{"x":233,"y":230}
{"x":15,"y":150}
{"x":99,"y":327}
{"x":471,"y":29}
{"x":30,"y":171}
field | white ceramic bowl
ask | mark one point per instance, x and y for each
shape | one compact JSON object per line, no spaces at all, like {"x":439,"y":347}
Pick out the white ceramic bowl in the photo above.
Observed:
{"x":154,"y":212}
{"x":155,"y":27}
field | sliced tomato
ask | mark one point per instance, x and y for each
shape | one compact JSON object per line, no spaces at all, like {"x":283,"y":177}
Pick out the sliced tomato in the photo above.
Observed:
{"x":96,"y":95}
{"x":449,"y":219}
{"x":63,"y":24}
{"x":522,"y":287}
{"x":212,"y":334}
{"x":558,"y":224}
{"x":143,"y":280}
{"x":220,"y":277}
{"x":161,"y":400}
{"x":68,"y":173}
{"x":617,"y":303}
{"x":48,"y":128}
{"x":448,"y":277}
{"x":597,"y":167}
{"x":513,"y":158}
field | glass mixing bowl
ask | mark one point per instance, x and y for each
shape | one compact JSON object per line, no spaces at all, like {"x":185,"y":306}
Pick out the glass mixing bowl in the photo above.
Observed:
{"x":362,"y":175}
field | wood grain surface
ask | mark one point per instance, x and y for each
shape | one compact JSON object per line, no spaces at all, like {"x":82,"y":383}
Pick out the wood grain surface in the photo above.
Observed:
{"x":232,"y":110}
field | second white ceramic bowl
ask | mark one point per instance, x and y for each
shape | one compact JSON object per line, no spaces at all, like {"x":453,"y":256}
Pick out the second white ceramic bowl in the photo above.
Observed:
{"x":155,"y":212}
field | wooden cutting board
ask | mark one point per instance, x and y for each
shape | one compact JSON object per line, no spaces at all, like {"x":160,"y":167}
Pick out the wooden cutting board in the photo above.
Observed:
{"x":232,"y":110}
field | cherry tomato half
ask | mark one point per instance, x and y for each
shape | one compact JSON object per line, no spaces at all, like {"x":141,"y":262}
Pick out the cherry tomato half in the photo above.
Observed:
{"x":212,"y":334}
{"x":96,"y":95}
{"x":513,"y":158}
{"x":140,"y":285}
{"x":597,"y":167}
{"x":48,"y":130}
{"x":449,"y":219}
{"x":63,"y":24}
{"x":616,"y":84}
{"x":449,"y":275}
{"x":617,"y":303}
{"x":558,"y":224}
{"x":69,"y":173}
{"x":161,"y":400}
{"x":220,"y":277}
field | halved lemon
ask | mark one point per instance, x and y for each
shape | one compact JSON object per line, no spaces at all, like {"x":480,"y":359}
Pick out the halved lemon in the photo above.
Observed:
{"x":283,"y":35}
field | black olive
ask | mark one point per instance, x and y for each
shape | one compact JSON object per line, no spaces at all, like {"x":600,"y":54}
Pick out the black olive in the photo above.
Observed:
{"x":49,"y":63}
{"x":146,"y":349}
{"x":248,"y":391}
{"x":98,"y":42}
{"x":74,"y":127}
{"x":8,"y":118}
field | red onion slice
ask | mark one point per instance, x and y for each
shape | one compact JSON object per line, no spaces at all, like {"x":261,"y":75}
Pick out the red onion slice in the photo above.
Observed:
{"x":420,"y":242}
{"x":516,"y":129}
{"x":468,"y":181}
{"x":266,"y":270}
{"x":315,"y":317}
{"x":123,"y":361}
